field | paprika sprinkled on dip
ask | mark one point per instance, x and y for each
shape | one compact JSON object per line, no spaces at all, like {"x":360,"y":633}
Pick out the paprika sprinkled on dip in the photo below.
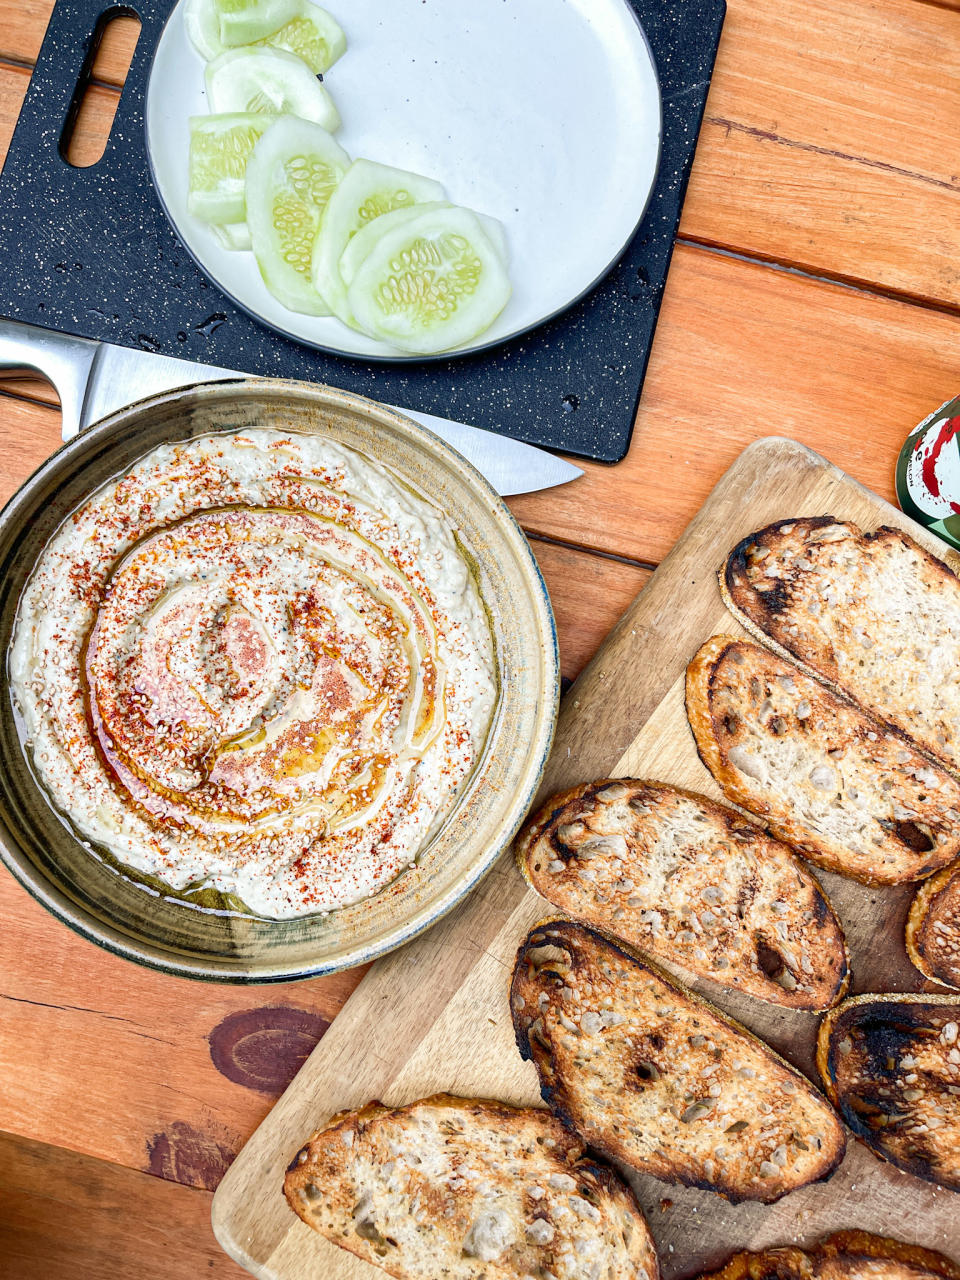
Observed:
{"x":257,"y":663}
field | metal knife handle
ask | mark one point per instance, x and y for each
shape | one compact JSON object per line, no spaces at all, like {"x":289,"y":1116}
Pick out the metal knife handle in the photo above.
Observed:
{"x":64,"y":361}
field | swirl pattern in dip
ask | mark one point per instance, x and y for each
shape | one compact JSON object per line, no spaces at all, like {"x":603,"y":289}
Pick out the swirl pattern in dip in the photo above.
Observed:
{"x":257,"y":663}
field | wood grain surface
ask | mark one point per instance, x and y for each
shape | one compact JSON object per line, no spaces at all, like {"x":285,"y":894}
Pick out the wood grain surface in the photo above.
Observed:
{"x":436,"y":1018}
{"x":828,"y":146}
{"x":68,"y":1215}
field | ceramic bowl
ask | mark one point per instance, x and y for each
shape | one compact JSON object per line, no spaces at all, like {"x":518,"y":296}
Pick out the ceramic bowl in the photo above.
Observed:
{"x":122,"y":915}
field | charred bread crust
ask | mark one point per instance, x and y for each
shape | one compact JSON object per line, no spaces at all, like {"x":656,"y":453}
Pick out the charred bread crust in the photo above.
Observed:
{"x":330,"y":1167}
{"x":900,"y":821}
{"x":890,"y":1064}
{"x":557,"y":956}
{"x":700,"y":678}
{"x":933,"y":927}
{"x":863,"y":1244}
{"x":851,"y":1247}
{"x":720,"y":899}
{"x":768,"y":616}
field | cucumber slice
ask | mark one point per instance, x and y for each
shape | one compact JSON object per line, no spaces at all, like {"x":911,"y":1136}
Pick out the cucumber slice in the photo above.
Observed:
{"x":292,"y":173}
{"x":243,"y":21}
{"x":202,"y":22}
{"x":271,"y":81}
{"x":233,"y":235}
{"x":495,"y":233}
{"x":313,"y":35}
{"x":431,"y":283}
{"x":367,"y":192}
{"x":364,"y":240}
{"x":220,"y":147}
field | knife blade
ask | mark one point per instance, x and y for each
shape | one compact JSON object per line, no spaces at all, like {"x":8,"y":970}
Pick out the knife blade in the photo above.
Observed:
{"x":97,"y":378}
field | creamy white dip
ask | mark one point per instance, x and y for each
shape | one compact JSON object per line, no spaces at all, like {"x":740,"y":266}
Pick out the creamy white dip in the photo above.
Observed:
{"x":256,"y":663}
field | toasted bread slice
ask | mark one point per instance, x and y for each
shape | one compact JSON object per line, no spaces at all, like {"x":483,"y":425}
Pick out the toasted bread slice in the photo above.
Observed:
{"x":873,"y":613}
{"x":845,"y":1255}
{"x":688,"y":881}
{"x":648,"y":1073}
{"x":849,"y":794}
{"x":933,"y":927}
{"x":465,"y":1188}
{"x":891,"y":1066}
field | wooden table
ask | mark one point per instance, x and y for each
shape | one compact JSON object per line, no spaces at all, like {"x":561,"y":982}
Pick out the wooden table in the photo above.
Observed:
{"x":814,"y":293}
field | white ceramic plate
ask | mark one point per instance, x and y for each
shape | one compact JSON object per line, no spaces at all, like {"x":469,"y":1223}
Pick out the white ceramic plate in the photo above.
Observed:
{"x":544,"y":113}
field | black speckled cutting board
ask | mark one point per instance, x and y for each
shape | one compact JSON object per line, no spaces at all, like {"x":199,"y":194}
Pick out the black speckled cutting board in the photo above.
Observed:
{"x":90,"y":252}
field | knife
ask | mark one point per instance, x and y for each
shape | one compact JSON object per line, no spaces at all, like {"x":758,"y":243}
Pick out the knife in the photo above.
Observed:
{"x":95,"y":378}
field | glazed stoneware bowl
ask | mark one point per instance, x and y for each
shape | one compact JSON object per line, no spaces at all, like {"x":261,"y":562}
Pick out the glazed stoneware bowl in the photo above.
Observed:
{"x":115,"y":910}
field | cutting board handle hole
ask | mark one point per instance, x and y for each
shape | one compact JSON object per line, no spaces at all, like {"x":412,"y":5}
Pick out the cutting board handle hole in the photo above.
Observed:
{"x":90,"y":116}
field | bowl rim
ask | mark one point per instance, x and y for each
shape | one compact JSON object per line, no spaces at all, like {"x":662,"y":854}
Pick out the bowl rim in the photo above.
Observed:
{"x":110,"y":431}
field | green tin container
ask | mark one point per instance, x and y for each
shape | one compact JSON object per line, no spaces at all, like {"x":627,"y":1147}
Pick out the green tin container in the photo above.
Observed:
{"x":928,"y":473}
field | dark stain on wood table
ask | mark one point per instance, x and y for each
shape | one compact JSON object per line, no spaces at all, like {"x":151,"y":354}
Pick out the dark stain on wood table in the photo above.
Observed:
{"x":185,"y":1154}
{"x":264,"y":1048}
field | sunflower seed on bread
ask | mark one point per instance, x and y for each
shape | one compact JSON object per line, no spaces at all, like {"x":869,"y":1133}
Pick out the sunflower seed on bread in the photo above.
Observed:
{"x":845,"y":1255}
{"x":691,"y":882}
{"x":849,"y":794}
{"x":891,"y":1066}
{"x":933,"y":927}
{"x":651,"y":1075}
{"x":873,"y":613}
{"x":465,"y":1189}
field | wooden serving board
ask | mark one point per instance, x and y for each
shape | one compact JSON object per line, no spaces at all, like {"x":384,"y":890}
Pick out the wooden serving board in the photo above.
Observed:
{"x":434,"y":1016}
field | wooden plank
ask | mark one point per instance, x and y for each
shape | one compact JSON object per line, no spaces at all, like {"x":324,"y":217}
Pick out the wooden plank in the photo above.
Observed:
{"x":29,"y":433}
{"x":742,"y":351}
{"x":26,"y":21}
{"x":13,"y":88}
{"x":398,"y":1039}
{"x":173,"y":1074}
{"x":67,"y":1216}
{"x":588,"y":593}
{"x":23,"y":26}
{"x":825,"y":149}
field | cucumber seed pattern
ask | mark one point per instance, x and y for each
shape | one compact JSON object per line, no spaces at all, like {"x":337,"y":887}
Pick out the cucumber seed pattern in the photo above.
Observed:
{"x":377,"y":204}
{"x":218,"y":155}
{"x":431,"y":276}
{"x":297,"y":206}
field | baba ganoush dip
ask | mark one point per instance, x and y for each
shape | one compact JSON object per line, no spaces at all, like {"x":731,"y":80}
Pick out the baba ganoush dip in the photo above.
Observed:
{"x":256,"y":663}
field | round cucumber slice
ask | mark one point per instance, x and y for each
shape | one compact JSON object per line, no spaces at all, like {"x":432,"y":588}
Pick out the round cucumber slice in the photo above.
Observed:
{"x":368,"y":191}
{"x":233,"y":235}
{"x":313,"y":35}
{"x":269,"y":80}
{"x":243,"y":21}
{"x":431,"y":283}
{"x":220,"y":147}
{"x":495,"y":233}
{"x":361,"y":244}
{"x":294,"y":169}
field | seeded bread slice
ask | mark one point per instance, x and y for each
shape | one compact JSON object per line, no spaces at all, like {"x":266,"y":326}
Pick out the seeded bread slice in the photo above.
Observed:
{"x":845,"y":1255}
{"x":873,"y":613}
{"x":891,"y":1066}
{"x":688,"y":881}
{"x":467,"y":1189}
{"x":933,"y":927}
{"x":849,"y":794}
{"x":649,"y":1074}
